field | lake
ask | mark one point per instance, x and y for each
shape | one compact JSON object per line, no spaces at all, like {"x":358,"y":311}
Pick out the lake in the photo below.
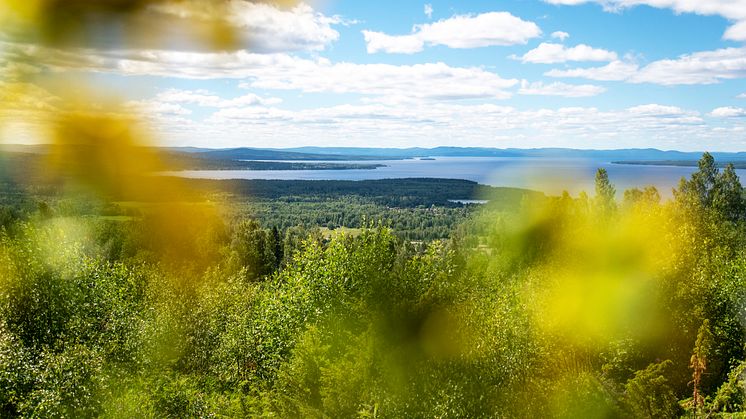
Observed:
{"x":549,"y":175}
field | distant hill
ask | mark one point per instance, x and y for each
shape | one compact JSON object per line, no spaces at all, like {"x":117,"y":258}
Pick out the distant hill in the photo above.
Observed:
{"x":240,"y":153}
{"x":618,"y":154}
{"x":270,"y":154}
{"x":370,"y":153}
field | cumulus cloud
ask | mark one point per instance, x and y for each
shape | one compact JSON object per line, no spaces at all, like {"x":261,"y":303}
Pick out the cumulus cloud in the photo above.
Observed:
{"x":204,"y":98}
{"x":704,"y":67}
{"x":646,"y":125}
{"x":460,"y":31}
{"x":614,"y":71}
{"x":399,"y":44}
{"x":159,"y":108}
{"x":560,"y":35}
{"x":548,"y":53}
{"x":172,"y":102}
{"x":559,"y":89}
{"x":737,"y":32}
{"x":655,"y":109}
{"x":436,"y":81}
{"x":265,"y":27}
{"x":728,"y":112}
{"x":226,"y":122}
{"x":426,"y":81}
{"x":734,"y":10}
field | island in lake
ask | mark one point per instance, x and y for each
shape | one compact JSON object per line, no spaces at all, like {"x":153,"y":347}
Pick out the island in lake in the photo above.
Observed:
{"x":249,"y":159}
{"x":215,"y":164}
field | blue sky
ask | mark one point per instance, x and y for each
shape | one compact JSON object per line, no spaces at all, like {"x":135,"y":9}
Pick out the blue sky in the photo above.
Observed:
{"x":668,"y":74}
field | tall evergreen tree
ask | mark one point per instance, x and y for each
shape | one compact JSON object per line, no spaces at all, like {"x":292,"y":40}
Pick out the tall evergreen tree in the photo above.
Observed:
{"x":605,"y":192}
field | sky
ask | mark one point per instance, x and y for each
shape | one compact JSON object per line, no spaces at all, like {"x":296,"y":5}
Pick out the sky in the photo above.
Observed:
{"x":602,"y":74}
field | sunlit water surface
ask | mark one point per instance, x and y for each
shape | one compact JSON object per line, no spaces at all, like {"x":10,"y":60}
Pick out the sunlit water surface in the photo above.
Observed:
{"x":549,"y":175}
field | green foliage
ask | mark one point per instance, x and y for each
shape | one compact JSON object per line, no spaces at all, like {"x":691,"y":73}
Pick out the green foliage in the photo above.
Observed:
{"x":553,"y":311}
{"x":719,"y":193}
{"x":66,"y":384}
{"x":605,"y":192}
{"x":731,"y":396}
{"x":649,"y":394}
{"x":255,"y":249}
{"x":728,"y":199}
{"x":698,"y":362}
{"x":647,"y":196}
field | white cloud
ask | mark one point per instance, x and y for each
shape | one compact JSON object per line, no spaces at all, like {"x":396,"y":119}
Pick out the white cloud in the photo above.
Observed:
{"x":460,"y":31}
{"x":160,"y":108}
{"x":264,"y":27}
{"x":737,"y":32}
{"x":436,"y":81}
{"x":204,"y":98}
{"x":742,"y":96}
{"x":655,"y":109}
{"x":614,"y":71}
{"x":559,"y":89}
{"x":734,"y":10}
{"x":425,"y":81}
{"x":728,"y":112}
{"x":402,"y":44}
{"x":731,"y":9}
{"x":419,"y":124}
{"x":429,"y":10}
{"x":704,"y":67}
{"x":473,"y":31}
{"x":560,"y":35}
{"x":548,"y":53}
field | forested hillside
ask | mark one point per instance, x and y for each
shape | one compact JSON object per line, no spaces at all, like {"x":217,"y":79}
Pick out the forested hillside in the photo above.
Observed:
{"x":415,"y":209}
{"x":571,"y":306}
{"x":128,"y":291}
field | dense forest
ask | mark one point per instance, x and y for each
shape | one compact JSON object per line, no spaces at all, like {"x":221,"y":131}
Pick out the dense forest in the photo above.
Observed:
{"x":127,"y":294}
{"x":584,"y":306}
{"x":415,"y":209}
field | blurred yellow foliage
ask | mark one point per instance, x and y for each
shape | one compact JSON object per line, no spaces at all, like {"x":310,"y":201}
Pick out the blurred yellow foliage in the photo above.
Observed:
{"x":94,"y":143}
{"x":595,"y":279}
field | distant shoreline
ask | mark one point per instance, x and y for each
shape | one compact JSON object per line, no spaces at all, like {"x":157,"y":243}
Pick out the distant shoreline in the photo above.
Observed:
{"x":208,"y":164}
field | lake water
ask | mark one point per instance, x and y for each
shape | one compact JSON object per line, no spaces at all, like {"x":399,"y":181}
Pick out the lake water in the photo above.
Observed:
{"x":549,"y":175}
